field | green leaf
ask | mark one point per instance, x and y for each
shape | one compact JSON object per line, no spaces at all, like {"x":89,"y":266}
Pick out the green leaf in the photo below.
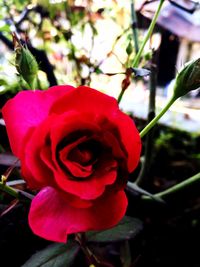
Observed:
{"x":128,"y":228}
{"x":55,"y":255}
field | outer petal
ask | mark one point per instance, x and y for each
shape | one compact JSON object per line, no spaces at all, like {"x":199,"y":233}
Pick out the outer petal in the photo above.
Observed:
{"x":86,"y":99}
{"x":89,"y":188}
{"x":36,"y":157}
{"x":129,"y":137}
{"x":52,"y":218}
{"x":36,"y":148}
{"x":40,"y":166}
{"x":28,"y":109}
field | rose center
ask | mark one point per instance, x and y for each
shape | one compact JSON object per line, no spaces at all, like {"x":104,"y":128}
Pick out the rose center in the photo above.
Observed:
{"x":85,"y":153}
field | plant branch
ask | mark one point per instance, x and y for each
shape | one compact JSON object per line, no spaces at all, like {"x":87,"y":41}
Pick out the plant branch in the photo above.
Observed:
{"x":134,"y":189}
{"x":120,"y":96}
{"x":139,"y":54}
{"x":154,"y":121}
{"x":81,"y":239}
{"x":177,"y":188}
{"x":134,"y":26}
{"x":150,"y":30}
{"x":6,"y":186}
{"x":9,"y":190}
{"x":150,"y":137}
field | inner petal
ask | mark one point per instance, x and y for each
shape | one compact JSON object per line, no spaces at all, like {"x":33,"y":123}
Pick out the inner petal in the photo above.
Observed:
{"x":76,"y":170}
{"x":79,"y":158}
{"x":86,"y":153}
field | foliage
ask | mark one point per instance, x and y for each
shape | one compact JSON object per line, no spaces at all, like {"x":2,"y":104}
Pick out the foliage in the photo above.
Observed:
{"x":127,"y":229}
{"x":59,"y":255}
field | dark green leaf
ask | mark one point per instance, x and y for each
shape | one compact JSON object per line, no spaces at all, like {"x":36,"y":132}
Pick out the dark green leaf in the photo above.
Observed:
{"x":127,"y":229}
{"x":55,"y":255}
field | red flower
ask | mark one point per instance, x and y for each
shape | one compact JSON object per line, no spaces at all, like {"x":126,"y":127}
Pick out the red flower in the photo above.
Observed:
{"x":77,"y":147}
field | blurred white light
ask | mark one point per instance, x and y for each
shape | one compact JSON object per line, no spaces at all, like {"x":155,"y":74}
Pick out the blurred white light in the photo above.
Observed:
{"x":56,"y":1}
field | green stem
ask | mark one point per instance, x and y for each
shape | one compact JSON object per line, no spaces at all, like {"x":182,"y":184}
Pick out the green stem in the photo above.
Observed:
{"x":149,"y":142}
{"x":134,"y":26}
{"x":150,"y":30}
{"x":9,"y":190}
{"x":120,"y":96}
{"x":177,"y":187}
{"x":154,"y":121}
{"x":81,"y":238}
{"x":139,"y":54}
{"x":180,"y":186}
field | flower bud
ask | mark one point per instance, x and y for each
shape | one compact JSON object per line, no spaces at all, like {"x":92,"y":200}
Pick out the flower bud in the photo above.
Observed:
{"x":187,"y":79}
{"x":25,"y":63}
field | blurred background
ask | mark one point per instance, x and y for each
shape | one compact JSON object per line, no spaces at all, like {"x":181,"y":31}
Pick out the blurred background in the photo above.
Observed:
{"x":92,"y":42}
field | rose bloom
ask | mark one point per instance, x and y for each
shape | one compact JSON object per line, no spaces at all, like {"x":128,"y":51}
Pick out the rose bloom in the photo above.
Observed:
{"x":77,"y":148}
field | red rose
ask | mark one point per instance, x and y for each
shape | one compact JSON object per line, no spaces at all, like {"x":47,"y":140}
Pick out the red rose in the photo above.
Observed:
{"x":78,"y":148}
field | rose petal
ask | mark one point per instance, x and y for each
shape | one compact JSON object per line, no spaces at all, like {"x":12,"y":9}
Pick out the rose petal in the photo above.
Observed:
{"x":78,"y":170}
{"x":86,"y":189}
{"x":28,"y":109}
{"x":86,"y":99}
{"x":70,"y":128}
{"x":52,"y":218}
{"x":92,"y":187}
{"x":111,"y":141}
{"x":129,"y":137}
{"x":73,"y":167}
{"x":39,"y":156}
{"x":35,"y":156}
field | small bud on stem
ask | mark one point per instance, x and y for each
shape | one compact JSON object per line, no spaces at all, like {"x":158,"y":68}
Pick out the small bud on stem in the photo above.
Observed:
{"x":25,"y":62}
{"x":188,"y":78}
